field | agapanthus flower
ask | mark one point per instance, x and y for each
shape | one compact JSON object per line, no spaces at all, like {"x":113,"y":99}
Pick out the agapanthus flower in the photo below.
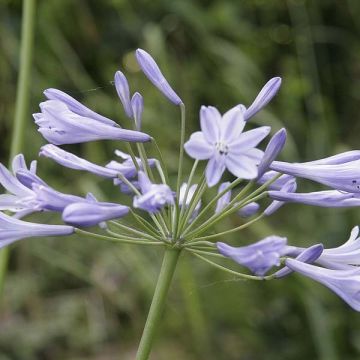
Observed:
{"x":153,"y":196}
{"x":249,"y":210}
{"x":259,"y":257}
{"x":222,"y":142}
{"x":59,"y":125}
{"x":289,"y":187}
{"x":345,"y":283}
{"x":272,"y":150}
{"x":326,"y":198}
{"x":12,"y":229}
{"x":265,"y":95}
{"x":343,"y":176}
{"x":224,"y":200}
{"x":19,"y":196}
{"x":91,"y":213}
{"x":278,"y":183}
{"x":186,"y":202}
{"x":123,"y":91}
{"x":154,"y":74}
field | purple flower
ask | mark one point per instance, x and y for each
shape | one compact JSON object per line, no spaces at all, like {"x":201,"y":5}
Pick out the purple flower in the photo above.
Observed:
{"x":249,"y":210}
{"x":343,"y":257}
{"x":72,"y":161}
{"x":269,"y":90}
{"x":259,"y":257}
{"x":137,"y":105}
{"x":289,"y":187}
{"x":222,"y":141}
{"x":272,"y":150}
{"x":190,"y":195}
{"x":278,"y":183}
{"x":341,"y":158}
{"x":345,"y":283}
{"x":308,"y":255}
{"x":127,"y":167}
{"x":20,"y":197}
{"x":154,"y":74}
{"x":59,"y":125}
{"x":154,"y":196}
{"x":326,"y":198}
{"x":122,"y":88}
{"x":92,"y":213}
{"x":76,"y":107}
{"x":12,"y":229}
{"x":344,"y":176}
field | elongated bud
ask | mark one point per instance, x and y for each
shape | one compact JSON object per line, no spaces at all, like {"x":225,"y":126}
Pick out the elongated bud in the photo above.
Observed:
{"x":272,"y":150}
{"x":249,"y":210}
{"x":137,"y":106}
{"x":92,"y":213}
{"x":154,"y":74}
{"x":122,"y":88}
{"x":269,"y":90}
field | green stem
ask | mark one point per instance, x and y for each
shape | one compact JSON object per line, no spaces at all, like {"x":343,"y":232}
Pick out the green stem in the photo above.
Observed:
{"x":167,"y":270}
{"x":22,"y":100}
{"x":181,"y":151}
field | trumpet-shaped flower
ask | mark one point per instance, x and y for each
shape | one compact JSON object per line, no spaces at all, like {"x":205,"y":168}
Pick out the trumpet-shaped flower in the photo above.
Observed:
{"x":345,"y":283}
{"x":153,"y":196}
{"x":223,"y":142}
{"x":122,"y":88}
{"x":326,"y":198}
{"x":12,"y":229}
{"x":343,"y":176}
{"x":59,"y":125}
{"x":259,"y":257}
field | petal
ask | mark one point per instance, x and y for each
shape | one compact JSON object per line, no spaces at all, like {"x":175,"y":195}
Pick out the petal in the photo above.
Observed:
{"x":241,"y":166}
{"x":197,"y":147}
{"x":249,"y":139}
{"x":214,"y":169}
{"x":232,"y":124}
{"x":209,"y":122}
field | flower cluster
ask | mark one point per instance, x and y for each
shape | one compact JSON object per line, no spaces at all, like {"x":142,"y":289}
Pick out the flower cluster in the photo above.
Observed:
{"x":180,"y":219}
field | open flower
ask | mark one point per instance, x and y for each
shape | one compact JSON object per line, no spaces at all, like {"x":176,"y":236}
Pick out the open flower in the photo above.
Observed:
{"x":223,"y":142}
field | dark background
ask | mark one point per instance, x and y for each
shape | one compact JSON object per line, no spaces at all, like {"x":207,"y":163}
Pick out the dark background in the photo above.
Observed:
{"x":70,"y":298}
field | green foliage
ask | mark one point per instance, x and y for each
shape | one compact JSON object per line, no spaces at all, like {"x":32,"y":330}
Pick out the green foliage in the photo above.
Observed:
{"x":81,"y":299}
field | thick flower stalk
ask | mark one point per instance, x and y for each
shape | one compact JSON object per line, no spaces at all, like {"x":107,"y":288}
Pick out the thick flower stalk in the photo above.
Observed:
{"x":176,"y":216}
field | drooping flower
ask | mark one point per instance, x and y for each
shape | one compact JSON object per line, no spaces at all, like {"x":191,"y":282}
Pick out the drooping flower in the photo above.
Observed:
{"x":259,"y":257}
{"x":19,"y":197}
{"x":289,"y":187}
{"x":59,"y":125}
{"x":153,"y":196}
{"x":154,"y":74}
{"x":265,"y":95}
{"x":272,"y":150}
{"x":91,"y":213}
{"x":12,"y":229}
{"x":344,"y":176}
{"x":222,"y":141}
{"x":326,"y":198}
{"x":76,"y":106}
{"x":345,"y":283}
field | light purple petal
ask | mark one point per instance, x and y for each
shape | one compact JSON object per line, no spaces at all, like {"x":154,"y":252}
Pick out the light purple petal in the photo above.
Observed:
{"x":241,"y":166}
{"x":232,"y":124}
{"x":198,"y":148}
{"x":210,"y":119}
{"x":122,"y":89}
{"x":214,"y":170}
{"x":249,"y":139}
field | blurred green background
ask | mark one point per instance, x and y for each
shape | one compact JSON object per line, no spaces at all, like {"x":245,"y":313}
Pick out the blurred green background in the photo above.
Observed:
{"x":70,"y":298}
